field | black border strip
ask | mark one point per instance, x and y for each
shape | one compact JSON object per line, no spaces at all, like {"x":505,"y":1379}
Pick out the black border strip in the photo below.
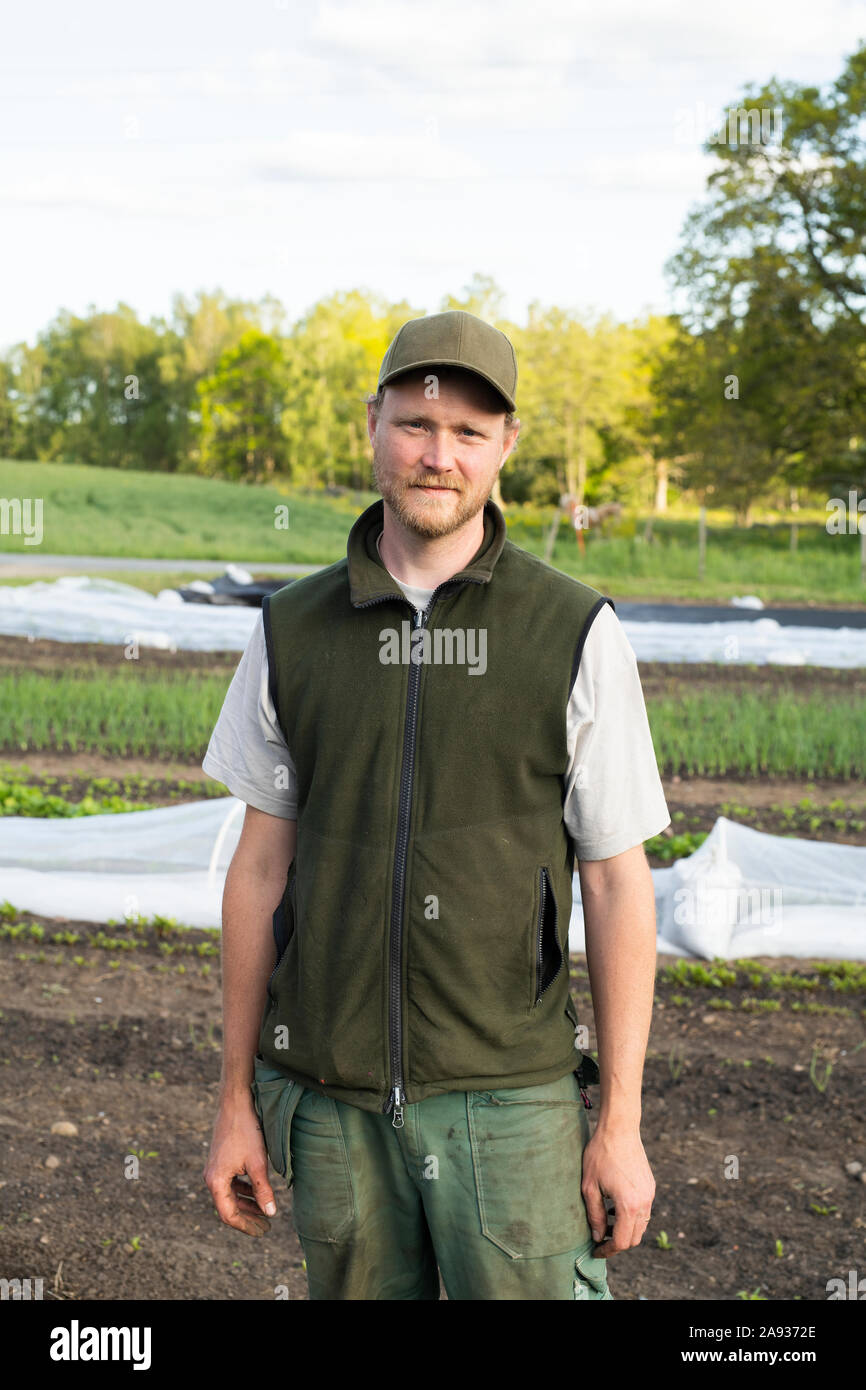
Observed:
{"x":581,"y":641}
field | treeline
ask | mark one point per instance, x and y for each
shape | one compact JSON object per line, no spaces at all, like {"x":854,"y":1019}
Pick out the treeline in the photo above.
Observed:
{"x":754,"y":389}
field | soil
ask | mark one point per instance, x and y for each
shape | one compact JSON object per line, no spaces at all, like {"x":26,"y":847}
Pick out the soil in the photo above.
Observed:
{"x":131,"y":1058}
{"x":43,"y":654}
{"x":657,"y":677}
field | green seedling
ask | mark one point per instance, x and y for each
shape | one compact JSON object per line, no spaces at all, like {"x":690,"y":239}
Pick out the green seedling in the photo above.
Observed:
{"x":820,"y":1085}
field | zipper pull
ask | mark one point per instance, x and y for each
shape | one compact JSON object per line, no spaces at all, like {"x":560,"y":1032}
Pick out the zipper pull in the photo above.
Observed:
{"x":396,"y":1100}
{"x":586,"y":1100}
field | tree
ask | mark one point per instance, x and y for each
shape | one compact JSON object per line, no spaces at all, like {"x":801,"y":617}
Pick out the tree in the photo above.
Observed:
{"x":773,"y":270}
{"x":241,"y":405}
{"x":570,"y":396}
{"x":333,"y":357}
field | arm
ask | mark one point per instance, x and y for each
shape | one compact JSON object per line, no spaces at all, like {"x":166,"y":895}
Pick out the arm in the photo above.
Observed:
{"x":255,"y":882}
{"x":620,"y":927}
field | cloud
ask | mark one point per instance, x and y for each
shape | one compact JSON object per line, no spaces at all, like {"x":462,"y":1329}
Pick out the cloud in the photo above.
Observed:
{"x":448,"y":42}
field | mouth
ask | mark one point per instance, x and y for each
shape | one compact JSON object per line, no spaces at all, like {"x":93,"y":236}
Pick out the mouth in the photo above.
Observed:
{"x":422,"y":487}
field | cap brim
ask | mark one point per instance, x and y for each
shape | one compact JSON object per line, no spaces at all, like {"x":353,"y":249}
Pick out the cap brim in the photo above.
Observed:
{"x":449,"y":362}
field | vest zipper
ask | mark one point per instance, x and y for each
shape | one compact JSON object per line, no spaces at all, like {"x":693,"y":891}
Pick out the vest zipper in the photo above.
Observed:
{"x":397,"y":1096}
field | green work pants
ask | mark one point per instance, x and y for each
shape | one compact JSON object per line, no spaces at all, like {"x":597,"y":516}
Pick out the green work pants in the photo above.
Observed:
{"x":482,"y":1186}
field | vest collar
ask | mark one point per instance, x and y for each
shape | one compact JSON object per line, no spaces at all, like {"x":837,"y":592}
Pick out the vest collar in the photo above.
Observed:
{"x":368,"y":577}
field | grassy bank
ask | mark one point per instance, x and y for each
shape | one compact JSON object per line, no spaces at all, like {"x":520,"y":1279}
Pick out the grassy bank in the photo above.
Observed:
{"x":95,"y":511}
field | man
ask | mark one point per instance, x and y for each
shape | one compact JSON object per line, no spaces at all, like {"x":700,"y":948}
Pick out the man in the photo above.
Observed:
{"x":416,"y":796}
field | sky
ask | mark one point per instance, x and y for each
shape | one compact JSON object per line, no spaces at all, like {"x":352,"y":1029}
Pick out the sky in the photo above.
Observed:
{"x":302,"y":147}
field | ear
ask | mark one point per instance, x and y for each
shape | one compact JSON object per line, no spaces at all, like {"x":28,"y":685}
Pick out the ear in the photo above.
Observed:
{"x":511,"y":440}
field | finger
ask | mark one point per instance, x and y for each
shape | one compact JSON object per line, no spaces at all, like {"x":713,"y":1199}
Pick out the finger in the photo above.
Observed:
{"x":247,"y":1218}
{"x":628,"y":1231}
{"x":264,"y":1193}
{"x":253,"y":1224}
{"x":229,"y":1210}
{"x":609,"y":1231}
{"x":219,"y":1186}
{"x":245,"y":1198}
{"x":594,"y":1209}
{"x":244,"y":1201}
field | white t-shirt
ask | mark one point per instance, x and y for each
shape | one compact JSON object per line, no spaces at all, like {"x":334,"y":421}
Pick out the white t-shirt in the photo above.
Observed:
{"x":614,"y":798}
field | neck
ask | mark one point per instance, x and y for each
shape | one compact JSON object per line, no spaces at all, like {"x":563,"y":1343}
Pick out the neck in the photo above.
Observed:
{"x":426,"y":562}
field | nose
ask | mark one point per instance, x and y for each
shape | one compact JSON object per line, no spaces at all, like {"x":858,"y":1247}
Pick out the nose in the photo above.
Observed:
{"x":438,"y":454}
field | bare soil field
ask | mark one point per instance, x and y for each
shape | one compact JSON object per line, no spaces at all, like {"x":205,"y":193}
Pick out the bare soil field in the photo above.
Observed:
{"x":129,"y":1056}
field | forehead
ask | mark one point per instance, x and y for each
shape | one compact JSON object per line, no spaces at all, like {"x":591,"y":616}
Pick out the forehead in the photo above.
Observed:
{"x":457,"y":389}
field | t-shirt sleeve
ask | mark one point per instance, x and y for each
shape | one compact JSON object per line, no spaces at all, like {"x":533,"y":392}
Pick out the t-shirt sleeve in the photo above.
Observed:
{"x":247,"y":751}
{"x":614,"y":797}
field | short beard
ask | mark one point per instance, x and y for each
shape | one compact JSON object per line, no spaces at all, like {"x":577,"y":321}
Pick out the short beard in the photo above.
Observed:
{"x":397,"y":494}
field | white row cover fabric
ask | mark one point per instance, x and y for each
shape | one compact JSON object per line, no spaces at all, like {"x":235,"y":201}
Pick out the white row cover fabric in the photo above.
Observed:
{"x":761,"y":641}
{"x":743,"y":893}
{"x":170,"y":861}
{"x":81,"y":609}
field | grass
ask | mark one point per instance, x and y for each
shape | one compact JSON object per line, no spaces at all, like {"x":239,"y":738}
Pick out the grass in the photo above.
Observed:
{"x":724,"y":733}
{"x":130,"y":712}
{"x":123,"y":712}
{"x":740,"y":560}
{"x":102,"y":511}
{"x":96,"y":511}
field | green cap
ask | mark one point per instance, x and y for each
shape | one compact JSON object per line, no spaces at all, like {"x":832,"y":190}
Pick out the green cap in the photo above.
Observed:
{"x":453,"y":339}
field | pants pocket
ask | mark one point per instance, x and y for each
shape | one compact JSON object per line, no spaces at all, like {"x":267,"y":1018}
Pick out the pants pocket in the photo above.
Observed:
{"x":590,"y":1276}
{"x":275,"y":1097}
{"x":324,"y":1202}
{"x":527,"y":1149}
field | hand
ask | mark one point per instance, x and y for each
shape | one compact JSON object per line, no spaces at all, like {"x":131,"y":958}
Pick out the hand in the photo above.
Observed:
{"x":614,"y":1163}
{"x":238,"y":1147}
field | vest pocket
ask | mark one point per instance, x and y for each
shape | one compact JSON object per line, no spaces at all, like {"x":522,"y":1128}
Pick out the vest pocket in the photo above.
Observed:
{"x":548,"y":953}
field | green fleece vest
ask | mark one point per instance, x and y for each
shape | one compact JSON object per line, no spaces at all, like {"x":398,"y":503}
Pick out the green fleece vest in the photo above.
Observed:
{"x":422,"y":938}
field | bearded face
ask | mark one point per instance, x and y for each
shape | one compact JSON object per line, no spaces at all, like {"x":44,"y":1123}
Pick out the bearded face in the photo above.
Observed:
{"x":435,"y":461}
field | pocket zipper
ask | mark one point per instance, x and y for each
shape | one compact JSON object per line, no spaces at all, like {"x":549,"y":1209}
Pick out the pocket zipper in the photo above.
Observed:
{"x":539,"y":961}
